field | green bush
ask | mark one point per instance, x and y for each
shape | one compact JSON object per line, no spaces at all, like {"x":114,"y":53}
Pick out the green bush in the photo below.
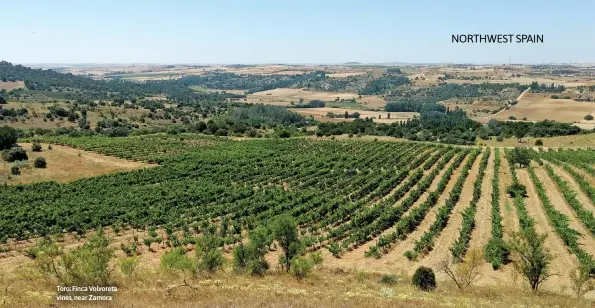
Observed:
{"x":588,"y":117}
{"x":301,"y":267}
{"x":128,"y":266}
{"x":208,"y":255}
{"x":36,"y":147}
{"x":15,"y":170}
{"x":84,"y":265}
{"x":500,"y":139}
{"x":176,"y":260}
{"x":316,"y":258}
{"x":424,"y":279}
{"x":14,"y":154}
{"x":517,"y":189}
{"x":40,"y":162}
{"x":538,"y":142}
{"x":496,"y":252}
{"x":388,"y":279}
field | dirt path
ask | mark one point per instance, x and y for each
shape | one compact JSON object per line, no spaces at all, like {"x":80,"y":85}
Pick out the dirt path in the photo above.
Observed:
{"x":510,"y":222}
{"x":518,"y":99}
{"x":356,"y":256}
{"x":483,"y":215}
{"x":563,"y":261}
{"x":450,"y":233}
{"x":587,"y":242}
{"x":580,"y":195}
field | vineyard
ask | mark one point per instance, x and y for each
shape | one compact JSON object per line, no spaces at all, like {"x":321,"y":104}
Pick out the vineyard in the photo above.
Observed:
{"x":382,"y":206}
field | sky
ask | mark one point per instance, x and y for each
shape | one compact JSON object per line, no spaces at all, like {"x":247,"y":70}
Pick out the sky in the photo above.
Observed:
{"x":280,"y":31}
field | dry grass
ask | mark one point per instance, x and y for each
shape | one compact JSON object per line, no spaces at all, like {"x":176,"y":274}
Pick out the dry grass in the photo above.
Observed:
{"x":320,"y":114}
{"x":576,"y":141}
{"x":152,"y":287}
{"x":9,"y":85}
{"x":537,"y":107}
{"x":65,"y":164}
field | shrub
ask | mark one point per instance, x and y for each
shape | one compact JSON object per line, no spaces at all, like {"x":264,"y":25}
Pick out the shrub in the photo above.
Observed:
{"x":176,"y":260}
{"x":40,"y":162}
{"x":49,"y":147}
{"x":15,"y":170}
{"x":301,"y":267}
{"x":128,"y":266}
{"x":284,"y":134}
{"x":517,"y":189}
{"x":424,"y":279}
{"x":500,"y":139}
{"x":208,"y":255}
{"x":588,"y":117}
{"x":36,"y":147}
{"x":316,"y":258}
{"x":496,"y":252}
{"x":388,"y":279}
{"x":581,"y":280}
{"x":13,"y":154}
{"x":467,"y":272}
{"x":285,"y":232}
{"x":538,"y":142}
{"x":84,"y":265}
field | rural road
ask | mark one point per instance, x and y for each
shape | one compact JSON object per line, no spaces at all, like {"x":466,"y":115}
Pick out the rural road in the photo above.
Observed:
{"x":517,"y":100}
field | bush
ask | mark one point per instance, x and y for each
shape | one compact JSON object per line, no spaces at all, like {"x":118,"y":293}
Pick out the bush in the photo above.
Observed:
{"x":538,"y":142}
{"x":300,"y":267}
{"x":40,"y":162}
{"x":284,"y":134}
{"x":316,"y":258}
{"x":517,"y":189}
{"x":389,"y":279}
{"x":15,"y":170}
{"x":13,"y":154}
{"x":36,"y":147}
{"x":424,"y":279}
{"x":500,"y":139}
{"x":208,"y":255}
{"x":128,"y":266}
{"x":84,"y":265}
{"x":588,"y":117}
{"x":176,"y":260}
{"x":496,"y":252}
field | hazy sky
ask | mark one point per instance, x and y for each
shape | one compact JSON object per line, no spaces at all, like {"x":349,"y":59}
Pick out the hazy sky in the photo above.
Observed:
{"x":278,"y":31}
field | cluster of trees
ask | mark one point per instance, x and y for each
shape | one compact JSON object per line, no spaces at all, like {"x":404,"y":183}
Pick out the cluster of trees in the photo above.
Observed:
{"x":546,"y":128}
{"x":346,"y":115}
{"x":310,"y":104}
{"x":443,"y":92}
{"x":539,"y":88}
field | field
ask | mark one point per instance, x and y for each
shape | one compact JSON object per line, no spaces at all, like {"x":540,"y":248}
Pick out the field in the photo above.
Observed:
{"x":320,"y":114}
{"x":66,"y":164}
{"x":537,"y":107}
{"x":10,"y":85}
{"x":285,"y":96}
{"x":374,"y":206}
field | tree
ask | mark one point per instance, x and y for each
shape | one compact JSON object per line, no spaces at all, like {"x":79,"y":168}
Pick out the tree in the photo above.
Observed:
{"x":13,"y":154}
{"x":538,"y":142}
{"x":346,"y":115}
{"x":519,"y":132}
{"x":530,"y":257}
{"x":8,"y":137}
{"x":285,"y":233}
{"x":520,"y":156}
{"x":40,"y":162}
{"x":588,"y":117}
{"x":466,"y":273}
{"x":2,"y":100}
